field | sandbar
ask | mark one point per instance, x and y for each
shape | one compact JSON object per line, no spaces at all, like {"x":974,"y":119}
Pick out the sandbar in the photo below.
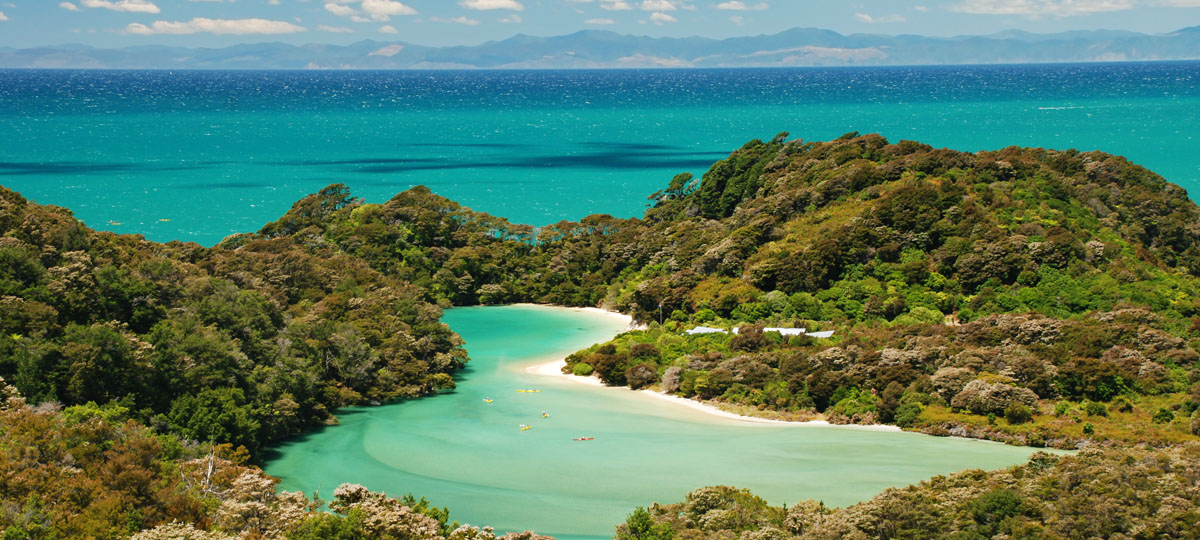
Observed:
{"x":553,"y":368}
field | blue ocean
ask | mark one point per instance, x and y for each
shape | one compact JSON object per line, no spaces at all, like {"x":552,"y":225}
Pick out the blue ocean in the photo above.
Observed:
{"x":199,"y":155}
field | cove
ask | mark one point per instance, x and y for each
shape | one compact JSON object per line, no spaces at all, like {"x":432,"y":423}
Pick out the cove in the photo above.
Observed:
{"x":460,"y":451}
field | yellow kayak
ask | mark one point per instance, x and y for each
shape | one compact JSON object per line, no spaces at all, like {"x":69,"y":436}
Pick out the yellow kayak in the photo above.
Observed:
{"x":529,"y":391}
{"x":525,"y":427}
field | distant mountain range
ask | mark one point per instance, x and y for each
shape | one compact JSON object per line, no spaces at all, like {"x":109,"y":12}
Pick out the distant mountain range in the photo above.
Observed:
{"x":602,"y":49}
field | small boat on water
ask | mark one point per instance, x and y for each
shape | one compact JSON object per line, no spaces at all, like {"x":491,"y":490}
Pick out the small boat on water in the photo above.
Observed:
{"x":545,"y":414}
{"x":529,"y":391}
{"x":584,"y":439}
{"x":487,"y":400}
{"x":526,"y":427}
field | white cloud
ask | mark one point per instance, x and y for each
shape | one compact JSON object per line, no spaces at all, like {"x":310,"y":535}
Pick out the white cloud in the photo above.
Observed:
{"x":1178,"y":3}
{"x":484,"y":5}
{"x":215,"y":26}
{"x":658,"y":5}
{"x":922,"y":9}
{"x":737,"y":5}
{"x":456,"y":20}
{"x":335,"y":29}
{"x":615,"y":5}
{"x":886,"y":19}
{"x":738,"y":20}
{"x":513,"y":18}
{"x":600,"y":21}
{"x":1035,"y":8}
{"x":3,"y":17}
{"x":133,"y":6}
{"x":659,"y":18}
{"x":338,"y":9}
{"x":68,"y":6}
{"x":273,"y":2}
{"x":382,"y":10}
{"x":386,"y":29}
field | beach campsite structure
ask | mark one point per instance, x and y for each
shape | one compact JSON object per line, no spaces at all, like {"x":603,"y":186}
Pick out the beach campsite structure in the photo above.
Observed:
{"x":701,"y":330}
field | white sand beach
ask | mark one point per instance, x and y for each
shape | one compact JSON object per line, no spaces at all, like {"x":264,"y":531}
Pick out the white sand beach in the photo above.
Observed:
{"x":553,"y":368}
{"x":616,"y":315}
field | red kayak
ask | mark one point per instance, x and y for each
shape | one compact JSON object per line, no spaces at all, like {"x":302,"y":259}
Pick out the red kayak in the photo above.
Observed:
{"x":584,"y":439}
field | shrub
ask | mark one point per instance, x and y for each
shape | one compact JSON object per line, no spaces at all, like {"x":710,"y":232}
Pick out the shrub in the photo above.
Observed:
{"x":855,"y":402}
{"x":640,"y":525}
{"x":1163,"y":416}
{"x":1089,"y":429}
{"x":1095,"y":408}
{"x":1196,"y":422}
{"x":996,"y":506}
{"x":907,"y":414}
{"x":805,"y":515}
{"x":582,"y":369}
{"x":1018,"y":414}
{"x":981,"y":397}
{"x":641,"y":375}
{"x":1122,"y":404}
{"x":671,"y":379}
{"x":1062,"y":408}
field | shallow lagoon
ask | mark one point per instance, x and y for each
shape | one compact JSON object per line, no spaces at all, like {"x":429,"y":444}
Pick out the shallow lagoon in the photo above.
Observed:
{"x":462,"y":452}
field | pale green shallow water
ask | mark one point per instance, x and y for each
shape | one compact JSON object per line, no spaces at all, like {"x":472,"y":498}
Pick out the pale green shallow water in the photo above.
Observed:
{"x":471,"y":456}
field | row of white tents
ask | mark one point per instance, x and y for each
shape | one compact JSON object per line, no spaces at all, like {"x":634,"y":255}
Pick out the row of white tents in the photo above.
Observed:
{"x":783,"y":331}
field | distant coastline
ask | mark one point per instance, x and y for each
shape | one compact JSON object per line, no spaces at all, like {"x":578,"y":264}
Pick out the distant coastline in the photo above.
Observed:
{"x":597,"y":49}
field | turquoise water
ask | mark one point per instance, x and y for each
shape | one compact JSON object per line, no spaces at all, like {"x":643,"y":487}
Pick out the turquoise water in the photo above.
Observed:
{"x":470,"y":455}
{"x":222,"y":152}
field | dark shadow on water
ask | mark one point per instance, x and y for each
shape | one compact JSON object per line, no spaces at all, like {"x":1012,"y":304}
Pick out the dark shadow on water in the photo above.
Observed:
{"x":588,"y":162}
{"x":17,"y":168}
{"x":363,"y":161}
{"x":633,"y":147}
{"x":600,"y":155}
{"x":275,"y":450}
{"x":468,"y":145}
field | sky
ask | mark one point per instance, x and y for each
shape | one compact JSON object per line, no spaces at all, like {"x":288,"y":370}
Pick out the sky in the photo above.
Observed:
{"x":217,"y":23}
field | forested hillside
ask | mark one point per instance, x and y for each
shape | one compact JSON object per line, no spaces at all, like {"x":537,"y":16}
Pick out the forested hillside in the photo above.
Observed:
{"x":1032,"y":296}
{"x":1118,"y":493}
{"x":240,"y":346}
{"x":1025,"y":295}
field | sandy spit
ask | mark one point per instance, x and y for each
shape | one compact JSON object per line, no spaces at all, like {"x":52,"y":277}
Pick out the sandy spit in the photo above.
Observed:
{"x":554,"y":369}
{"x":616,"y":315}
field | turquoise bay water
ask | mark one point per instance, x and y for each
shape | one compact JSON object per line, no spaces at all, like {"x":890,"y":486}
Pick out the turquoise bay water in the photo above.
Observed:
{"x":222,"y":152}
{"x":461,"y":452}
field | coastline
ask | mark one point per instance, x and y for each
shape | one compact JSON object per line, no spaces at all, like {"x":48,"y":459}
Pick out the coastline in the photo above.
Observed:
{"x":615,"y":315}
{"x":553,"y":368}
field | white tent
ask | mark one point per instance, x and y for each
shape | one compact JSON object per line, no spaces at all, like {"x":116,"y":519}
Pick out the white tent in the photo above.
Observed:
{"x":786,"y":331}
{"x":704,"y":330}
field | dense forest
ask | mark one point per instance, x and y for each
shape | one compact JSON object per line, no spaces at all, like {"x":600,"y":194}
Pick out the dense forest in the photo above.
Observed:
{"x":1114,"y":493}
{"x":1038,"y":297}
{"x":238,"y":346}
{"x":1025,"y":295}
